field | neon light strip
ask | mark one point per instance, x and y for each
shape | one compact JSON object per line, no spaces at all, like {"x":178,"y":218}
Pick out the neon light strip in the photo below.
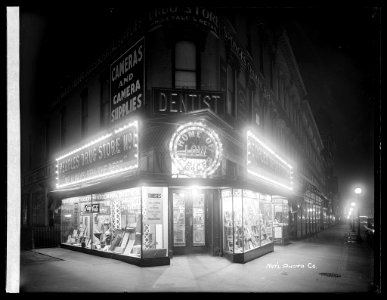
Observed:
{"x":85,"y":146}
{"x":98,"y":176}
{"x":135,"y":124}
{"x":270,"y":180}
{"x":268,"y":149}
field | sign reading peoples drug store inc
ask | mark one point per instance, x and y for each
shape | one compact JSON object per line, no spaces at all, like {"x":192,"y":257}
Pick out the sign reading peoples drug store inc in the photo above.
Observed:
{"x":127,"y":83}
{"x":196,"y":150}
{"x":266,"y":165}
{"x":114,"y":152}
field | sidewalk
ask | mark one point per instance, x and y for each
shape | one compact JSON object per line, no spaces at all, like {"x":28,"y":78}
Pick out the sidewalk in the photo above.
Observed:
{"x":324,"y":263}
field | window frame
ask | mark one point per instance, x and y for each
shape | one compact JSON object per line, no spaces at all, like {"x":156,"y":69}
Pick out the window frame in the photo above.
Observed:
{"x":63,"y":125}
{"x":84,"y":112}
{"x":197,"y":64}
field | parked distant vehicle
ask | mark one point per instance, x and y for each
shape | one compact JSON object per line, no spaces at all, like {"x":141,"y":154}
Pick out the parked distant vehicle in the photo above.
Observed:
{"x":370,"y":230}
{"x":367,"y":229}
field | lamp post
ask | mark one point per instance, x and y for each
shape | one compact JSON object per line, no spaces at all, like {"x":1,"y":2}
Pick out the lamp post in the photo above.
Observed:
{"x":353,"y":204}
{"x":358,"y":192}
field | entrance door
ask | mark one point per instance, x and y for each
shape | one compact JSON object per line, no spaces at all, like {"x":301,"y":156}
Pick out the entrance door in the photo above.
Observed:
{"x":189,"y":221}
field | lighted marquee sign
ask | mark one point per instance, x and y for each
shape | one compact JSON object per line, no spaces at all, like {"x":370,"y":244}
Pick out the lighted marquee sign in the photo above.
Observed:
{"x":196,"y":150}
{"x":264,"y":163}
{"x":112,"y":153}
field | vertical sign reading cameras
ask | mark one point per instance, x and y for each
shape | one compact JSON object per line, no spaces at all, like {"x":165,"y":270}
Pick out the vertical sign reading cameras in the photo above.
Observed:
{"x":127,"y":82}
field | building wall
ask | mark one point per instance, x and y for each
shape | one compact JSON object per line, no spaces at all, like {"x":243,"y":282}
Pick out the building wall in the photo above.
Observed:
{"x":279,"y":102}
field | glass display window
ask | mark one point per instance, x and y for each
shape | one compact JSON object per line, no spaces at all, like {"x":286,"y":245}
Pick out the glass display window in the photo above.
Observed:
{"x":228,"y":222}
{"x":128,"y":223}
{"x":251,"y":222}
{"x":102,"y":230}
{"x":112,"y":222}
{"x":198,"y":220}
{"x":179,"y":201}
{"x":318,"y":217}
{"x":76,"y":222}
{"x":155,"y":219}
{"x":299,"y":222}
{"x":238,"y":221}
{"x":247,"y":220}
{"x":281,"y":217}
{"x":266,"y":219}
{"x":304,"y":219}
{"x":307,"y":213}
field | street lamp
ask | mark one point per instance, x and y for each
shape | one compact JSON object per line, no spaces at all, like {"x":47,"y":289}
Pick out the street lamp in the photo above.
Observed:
{"x":353,"y":204}
{"x":358,"y":192}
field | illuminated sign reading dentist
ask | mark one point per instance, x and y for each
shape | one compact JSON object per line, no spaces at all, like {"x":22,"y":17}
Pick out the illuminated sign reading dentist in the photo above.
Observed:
{"x":195,"y":150}
{"x":112,"y":153}
{"x":265,"y":164}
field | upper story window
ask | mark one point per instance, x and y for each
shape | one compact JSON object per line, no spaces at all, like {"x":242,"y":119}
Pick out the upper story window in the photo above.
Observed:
{"x":251,"y":112}
{"x":104,"y":100}
{"x":84,"y":112}
{"x":63,"y":120}
{"x":185,"y":65}
{"x":261,"y":50}
{"x":272,"y":70}
{"x":230,"y":104}
{"x":47,"y":137}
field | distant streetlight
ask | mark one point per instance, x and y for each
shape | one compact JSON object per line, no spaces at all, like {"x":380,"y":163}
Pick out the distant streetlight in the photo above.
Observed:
{"x":358,"y":192}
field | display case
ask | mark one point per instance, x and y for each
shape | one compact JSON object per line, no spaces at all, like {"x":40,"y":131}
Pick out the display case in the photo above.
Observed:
{"x":129,"y":225}
{"x":247,"y":224}
{"x":281,"y":220}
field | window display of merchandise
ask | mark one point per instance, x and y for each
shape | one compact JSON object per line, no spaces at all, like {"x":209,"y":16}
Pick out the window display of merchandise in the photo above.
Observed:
{"x":247,"y":220}
{"x":111,"y":222}
{"x":198,"y":220}
{"x":179,"y":219}
{"x":281,"y":217}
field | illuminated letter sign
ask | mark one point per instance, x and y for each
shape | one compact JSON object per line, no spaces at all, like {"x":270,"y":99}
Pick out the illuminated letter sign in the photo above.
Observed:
{"x":189,"y":14}
{"x":167,"y":101}
{"x":112,"y":153}
{"x":91,"y":208}
{"x":195,"y":150}
{"x":127,"y":82}
{"x":264,"y":163}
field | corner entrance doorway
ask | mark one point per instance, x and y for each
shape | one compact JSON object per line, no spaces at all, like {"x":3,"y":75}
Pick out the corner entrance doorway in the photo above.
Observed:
{"x":190,"y":220}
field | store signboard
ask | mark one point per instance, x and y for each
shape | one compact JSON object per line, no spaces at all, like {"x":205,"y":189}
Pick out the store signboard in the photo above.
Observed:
{"x":196,"y":150}
{"x":277,"y":232}
{"x":203,"y":16}
{"x":154,"y":205}
{"x":170,"y":101}
{"x":266,"y":165}
{"x":115,"y":152}
{"x":91,"y":208}
{"x":127,"y":84}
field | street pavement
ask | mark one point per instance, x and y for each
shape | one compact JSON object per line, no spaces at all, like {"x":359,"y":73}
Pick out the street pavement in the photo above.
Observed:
{"x":324,"y":263}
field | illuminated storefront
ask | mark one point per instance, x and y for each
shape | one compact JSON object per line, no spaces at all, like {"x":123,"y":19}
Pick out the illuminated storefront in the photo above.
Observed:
{"x":182,"y":163}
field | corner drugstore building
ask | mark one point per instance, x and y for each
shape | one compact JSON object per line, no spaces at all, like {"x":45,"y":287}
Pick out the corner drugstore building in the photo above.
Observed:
{"x":190,"y":153}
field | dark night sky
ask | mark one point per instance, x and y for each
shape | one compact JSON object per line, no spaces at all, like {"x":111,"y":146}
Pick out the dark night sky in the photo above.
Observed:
{"x":338,"y":53}
{"x":336,"y":48}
